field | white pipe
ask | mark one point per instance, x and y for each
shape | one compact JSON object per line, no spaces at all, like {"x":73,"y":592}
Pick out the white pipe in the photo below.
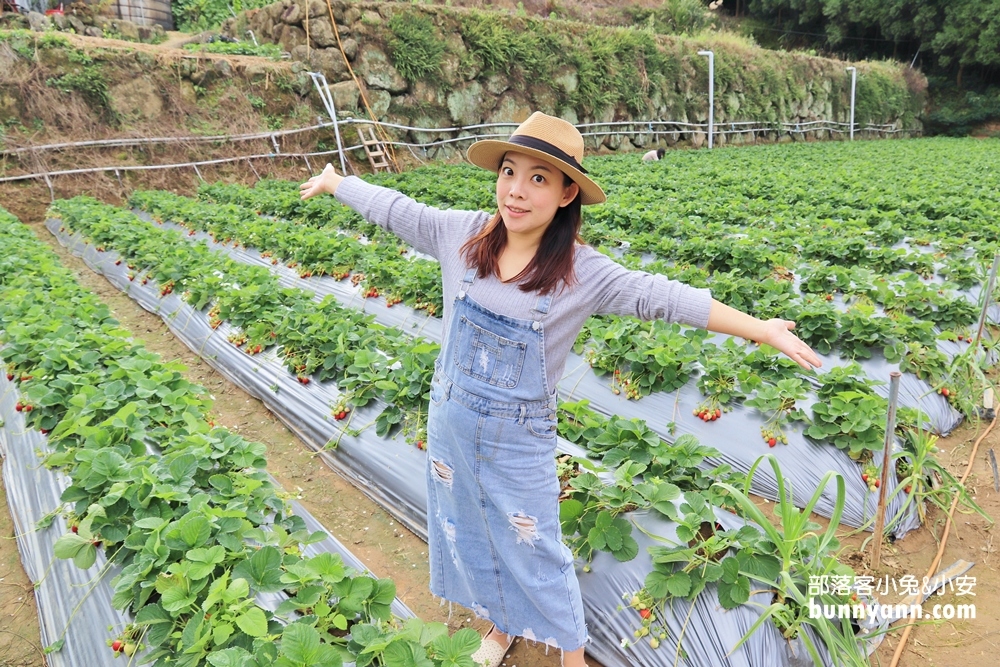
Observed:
{"x":854,"y":80}
{"x":323,"y":88}
{"x":711,"y":94}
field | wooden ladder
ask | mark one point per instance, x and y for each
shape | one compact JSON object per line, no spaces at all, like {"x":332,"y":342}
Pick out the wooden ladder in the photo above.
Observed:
{"x":375,"y":150}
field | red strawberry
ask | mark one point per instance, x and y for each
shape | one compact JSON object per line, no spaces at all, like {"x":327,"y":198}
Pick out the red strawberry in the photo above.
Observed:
{"x":118,"y":262}
{"x":864,"y":476}
{"x":116,"y":645}
{"x":19,"y":406}
{"x":906,"y":489}
{"x":718,"y":413}
{"x":644,"y":613}
{"x":303,"y":379}
{"x":420,"y":445}
{"x":945,"y":392}
{"x":44,"y":431}
{"x":771,"y":442}
{"x":28,"y":408}
{"x":876,"y":483}
{"x":10,"y":376}
{"x":76,"y":529}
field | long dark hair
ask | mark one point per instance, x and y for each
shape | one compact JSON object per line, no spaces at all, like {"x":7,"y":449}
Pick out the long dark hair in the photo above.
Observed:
{"x":553,"y":261}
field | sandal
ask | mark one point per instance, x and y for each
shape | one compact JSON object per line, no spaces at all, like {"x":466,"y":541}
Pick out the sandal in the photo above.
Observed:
{"x":491,"y":652}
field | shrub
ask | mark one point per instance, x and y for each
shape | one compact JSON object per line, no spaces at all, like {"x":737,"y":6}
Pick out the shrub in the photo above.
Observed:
{"x":414,"y":47}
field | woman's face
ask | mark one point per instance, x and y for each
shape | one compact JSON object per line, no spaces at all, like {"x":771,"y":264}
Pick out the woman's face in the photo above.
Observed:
{"x":529,"y":192}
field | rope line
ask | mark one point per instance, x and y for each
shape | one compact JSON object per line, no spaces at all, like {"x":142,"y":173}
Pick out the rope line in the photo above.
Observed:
{"x":646,"y":125}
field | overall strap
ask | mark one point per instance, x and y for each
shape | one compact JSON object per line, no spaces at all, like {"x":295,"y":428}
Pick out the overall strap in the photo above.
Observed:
{"x":541,"y":309}
{"x":543,"y":303}
{"x":470,"y":277}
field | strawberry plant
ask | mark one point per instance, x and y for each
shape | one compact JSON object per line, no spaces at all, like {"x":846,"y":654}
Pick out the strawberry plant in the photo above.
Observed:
{"x":851,"y":420}
{"x":643,"y":357}
{"x":779,"y":561}
{"x":719,"y":382}
{"x":591,"y":515}
{"x":816,"y":322}
{"x":777,"y":403}
{"x":926,"y":362}
{"x":862,"y":330}
{"x":682,"y":463}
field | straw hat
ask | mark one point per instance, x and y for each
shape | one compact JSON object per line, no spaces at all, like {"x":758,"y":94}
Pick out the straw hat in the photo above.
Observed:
{"x":547,"y":138}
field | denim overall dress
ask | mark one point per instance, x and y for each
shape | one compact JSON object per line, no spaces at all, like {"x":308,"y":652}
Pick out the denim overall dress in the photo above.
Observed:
{"x":495,"y":543}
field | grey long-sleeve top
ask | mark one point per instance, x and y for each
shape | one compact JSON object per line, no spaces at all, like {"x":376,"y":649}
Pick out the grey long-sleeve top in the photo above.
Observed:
{"x":602,"y":285}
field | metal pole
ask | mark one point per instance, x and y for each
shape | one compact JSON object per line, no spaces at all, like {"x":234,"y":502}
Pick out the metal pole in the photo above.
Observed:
{"x":327,"y":97}
{"x":890,"y":428}
{"x":711,"y":94}
{"x":987,"y":297}
{"x":854,"y":81}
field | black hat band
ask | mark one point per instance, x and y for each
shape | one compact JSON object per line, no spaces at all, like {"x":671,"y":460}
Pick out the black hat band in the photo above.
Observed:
{"x":546,"y":147}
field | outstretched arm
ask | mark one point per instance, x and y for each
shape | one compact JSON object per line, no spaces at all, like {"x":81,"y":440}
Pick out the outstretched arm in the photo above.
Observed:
{"x":430,"y":230}
{"x":775,"y":332}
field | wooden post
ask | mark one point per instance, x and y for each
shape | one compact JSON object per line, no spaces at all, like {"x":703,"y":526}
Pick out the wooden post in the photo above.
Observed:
{"x":987,"y":299}
{"x":890,"y":427}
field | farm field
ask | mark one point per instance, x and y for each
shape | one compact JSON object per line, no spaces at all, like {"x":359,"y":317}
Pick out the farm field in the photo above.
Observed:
{"x":878,"y":250}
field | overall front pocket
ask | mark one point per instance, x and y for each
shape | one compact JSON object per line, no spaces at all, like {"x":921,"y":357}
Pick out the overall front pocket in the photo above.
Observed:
{"x":485,"y":356}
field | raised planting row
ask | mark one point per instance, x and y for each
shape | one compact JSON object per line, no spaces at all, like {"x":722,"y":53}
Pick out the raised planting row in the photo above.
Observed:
{"x":317,"y":341}
{"x":377,"y":261}
{"x":183,"y":510}
{"x":667,"y":479}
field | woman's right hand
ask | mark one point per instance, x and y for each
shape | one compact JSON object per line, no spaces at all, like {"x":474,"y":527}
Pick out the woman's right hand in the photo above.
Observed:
{"x":327,"y":182}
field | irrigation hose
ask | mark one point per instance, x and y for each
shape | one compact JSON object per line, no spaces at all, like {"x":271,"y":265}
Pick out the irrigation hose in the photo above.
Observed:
{"x":390,"y":154}
{"x":944,"y":538}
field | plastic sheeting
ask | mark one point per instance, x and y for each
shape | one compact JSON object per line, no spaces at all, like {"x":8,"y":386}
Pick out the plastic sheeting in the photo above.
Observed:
{"x":60,"y":586}
{"x":72,"y":603}
{"x":803,"y":461}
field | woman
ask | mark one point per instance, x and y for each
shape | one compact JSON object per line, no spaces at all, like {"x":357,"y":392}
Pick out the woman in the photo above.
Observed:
{"x":654,"y":155}
{"x":518,"y":286}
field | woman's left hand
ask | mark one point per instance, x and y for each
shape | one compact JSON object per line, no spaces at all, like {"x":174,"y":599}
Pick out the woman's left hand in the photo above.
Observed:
{"x":778,"y":334}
